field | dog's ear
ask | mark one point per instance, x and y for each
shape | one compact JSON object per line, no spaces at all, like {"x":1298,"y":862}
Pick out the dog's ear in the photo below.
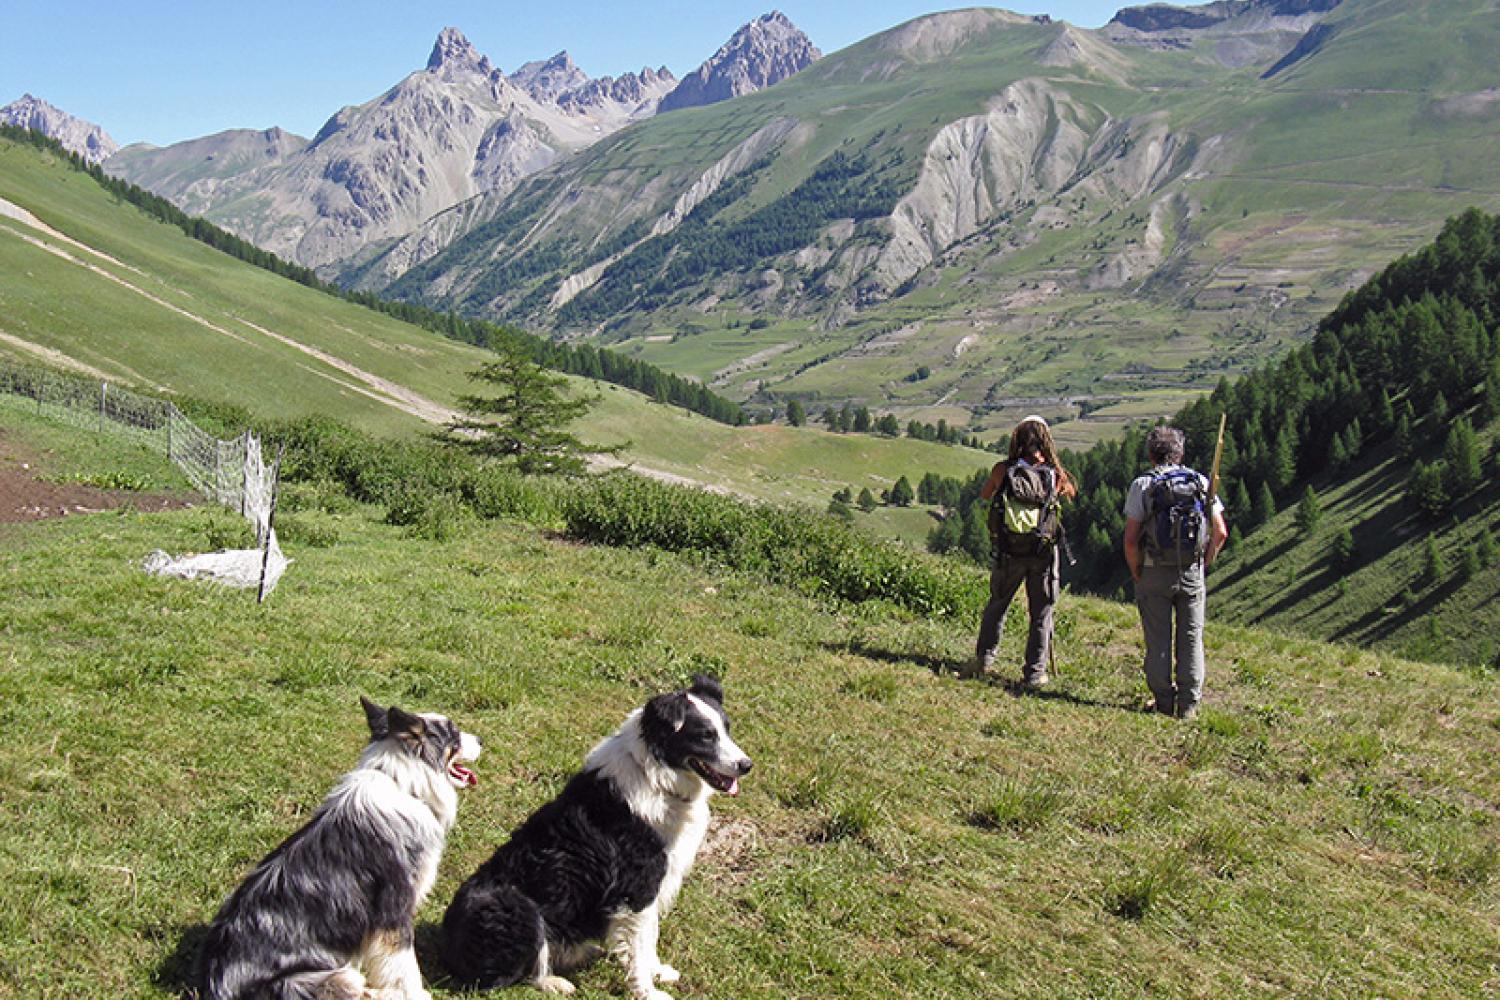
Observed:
{"x":664,"y":714}
{"x":705,"y":686}
{"x":405,"y":726}
{"x":376,"y":716}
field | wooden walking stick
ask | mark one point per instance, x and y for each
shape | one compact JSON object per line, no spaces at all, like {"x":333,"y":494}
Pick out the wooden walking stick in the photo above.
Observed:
{"x":1213,"y":480}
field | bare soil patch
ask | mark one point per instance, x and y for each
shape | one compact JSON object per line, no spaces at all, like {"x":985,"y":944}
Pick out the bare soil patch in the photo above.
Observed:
{"x":25,"y":496}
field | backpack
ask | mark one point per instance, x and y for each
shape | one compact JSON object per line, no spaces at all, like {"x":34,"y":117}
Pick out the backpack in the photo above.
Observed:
{"x":1025,"y":516}
{"x":1176,"y":525}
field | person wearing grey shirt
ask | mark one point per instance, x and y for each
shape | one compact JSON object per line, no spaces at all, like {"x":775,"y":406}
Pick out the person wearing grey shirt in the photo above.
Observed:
{"x":1169,"y":584}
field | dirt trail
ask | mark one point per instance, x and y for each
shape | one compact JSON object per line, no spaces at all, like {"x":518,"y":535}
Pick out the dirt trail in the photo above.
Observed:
{"x":374,"y":386}
{"x":24,"y":496}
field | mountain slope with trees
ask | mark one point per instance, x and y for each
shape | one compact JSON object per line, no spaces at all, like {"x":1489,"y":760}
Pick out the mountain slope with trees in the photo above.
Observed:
{"x":1362,"y":472}
{"x":1089,"y":224}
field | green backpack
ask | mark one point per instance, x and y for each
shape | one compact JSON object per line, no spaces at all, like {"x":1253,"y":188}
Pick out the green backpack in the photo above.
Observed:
{"x":1025,"y":517}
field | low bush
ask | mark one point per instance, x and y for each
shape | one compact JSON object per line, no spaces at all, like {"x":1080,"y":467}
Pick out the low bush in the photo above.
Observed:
{"x":800,"y":548}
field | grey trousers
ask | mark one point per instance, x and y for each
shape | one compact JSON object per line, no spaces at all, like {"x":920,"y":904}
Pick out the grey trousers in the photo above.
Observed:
{"x":1172,"y":604}
{"x":1040,"y":575}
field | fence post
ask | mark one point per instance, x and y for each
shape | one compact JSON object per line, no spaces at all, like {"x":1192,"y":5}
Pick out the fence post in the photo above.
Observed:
{"x":265,"y":559}
{"x":169,"y":433}
{"x":103,"y":392}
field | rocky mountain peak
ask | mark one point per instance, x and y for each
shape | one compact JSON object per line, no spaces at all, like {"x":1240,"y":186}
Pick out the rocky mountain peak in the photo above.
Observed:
{"x":765,"y":51}
{"x":547,"y":79}
{"x":454,"y":52}
{"x":82,"y":137}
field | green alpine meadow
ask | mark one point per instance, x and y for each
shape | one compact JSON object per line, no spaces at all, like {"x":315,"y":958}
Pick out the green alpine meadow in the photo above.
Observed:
{"x":578,"y":391}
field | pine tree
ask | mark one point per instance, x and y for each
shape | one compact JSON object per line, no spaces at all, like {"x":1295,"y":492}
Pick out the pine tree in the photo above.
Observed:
{"x":1426,"y":489}
{"x":1468,"y":564}
{"x":1283,"y":460}
{"x":902,"y":494}
{"x":1342,"y":549}
{"x":947,"y":536}
{"x":844,"y":495}
{"x":1404,"y":439}
{"x":976,"y":536}
{"x":1338,"y":454}
{"x":795,"y":414}
{"x":846,"y":418}
{"x":1238,"y":501}
{"x":1461,"y":457}
{"x":523,"y":425}
{"x":1434,"y":566}
{"x":1489,"y":396}
{"x":1438,"y":410}
{"x":840,"y":510}
{"x":1264,"y":506}
{"x":1384,"y":414}
{"x":1309,"y":511}
{"x":866,"y":500}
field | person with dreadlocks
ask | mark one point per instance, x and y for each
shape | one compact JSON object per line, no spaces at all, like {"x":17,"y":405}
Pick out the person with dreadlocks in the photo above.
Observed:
{"x":1025,"y":493}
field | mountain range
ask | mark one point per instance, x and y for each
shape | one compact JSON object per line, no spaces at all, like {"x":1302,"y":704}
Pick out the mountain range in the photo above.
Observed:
{"x":84,"y":138}
{"x":457,"y":128}
{"x":969,"y":216}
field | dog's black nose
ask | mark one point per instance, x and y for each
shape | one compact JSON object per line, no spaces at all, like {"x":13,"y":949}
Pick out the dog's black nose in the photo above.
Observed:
{"x":744,"y":766}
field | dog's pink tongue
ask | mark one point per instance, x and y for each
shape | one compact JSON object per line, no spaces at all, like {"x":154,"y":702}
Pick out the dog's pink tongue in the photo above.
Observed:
{"x":734,"y":787}
{"x":468,"y":777}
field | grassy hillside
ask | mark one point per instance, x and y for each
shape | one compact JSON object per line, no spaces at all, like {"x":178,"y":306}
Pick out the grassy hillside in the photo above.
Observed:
{"x":111,"y":293}
{"x":1322,"y":830}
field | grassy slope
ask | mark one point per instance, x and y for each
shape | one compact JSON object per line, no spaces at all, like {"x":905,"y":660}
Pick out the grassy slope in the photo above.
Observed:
{"x":1323,"y":829}
{"x":63,"y":306}
{"x":1284,"y":579}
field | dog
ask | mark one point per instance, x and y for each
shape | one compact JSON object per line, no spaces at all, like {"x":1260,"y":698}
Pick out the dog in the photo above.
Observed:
{"x":602,"y":862}
{"x":328,"y":914}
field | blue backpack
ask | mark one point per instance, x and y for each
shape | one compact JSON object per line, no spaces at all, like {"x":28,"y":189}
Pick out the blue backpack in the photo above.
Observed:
{"x":1176,"y":527}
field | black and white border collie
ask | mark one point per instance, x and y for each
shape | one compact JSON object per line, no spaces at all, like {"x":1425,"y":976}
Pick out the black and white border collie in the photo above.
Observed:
{"x":328,"y":914}
{"x":603,"y":861}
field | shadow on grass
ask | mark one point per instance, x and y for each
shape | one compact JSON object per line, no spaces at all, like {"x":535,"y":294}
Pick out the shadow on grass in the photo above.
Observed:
{"x":939,"y":666}
{"x":936,"y":664}
{"x":177,"y":973}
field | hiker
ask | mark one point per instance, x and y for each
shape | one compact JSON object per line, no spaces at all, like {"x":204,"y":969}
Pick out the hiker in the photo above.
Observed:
{"x":1025,"y":523}
{"x":1170,"y":539}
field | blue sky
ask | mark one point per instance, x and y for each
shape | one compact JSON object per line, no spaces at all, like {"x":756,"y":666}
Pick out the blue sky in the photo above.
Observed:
{"x":165,"y":70}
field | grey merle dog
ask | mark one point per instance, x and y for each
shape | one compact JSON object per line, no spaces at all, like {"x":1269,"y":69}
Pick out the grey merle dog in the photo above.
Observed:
{"x":604,"y":860}
{"x":328,"y":914}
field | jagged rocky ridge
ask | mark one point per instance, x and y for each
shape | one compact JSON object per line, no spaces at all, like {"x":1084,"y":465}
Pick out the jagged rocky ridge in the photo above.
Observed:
{"x":82,"y":137}
{"x":457,"y":128}
{"x":763,"y":52}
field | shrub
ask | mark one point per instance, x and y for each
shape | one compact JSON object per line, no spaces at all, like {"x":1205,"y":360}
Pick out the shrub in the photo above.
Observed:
{"x":311,"y":531}
{"x":791,"y":546}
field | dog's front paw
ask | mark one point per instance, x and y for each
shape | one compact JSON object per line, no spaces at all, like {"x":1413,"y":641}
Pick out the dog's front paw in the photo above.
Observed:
{"x":556,"y":984}
{"x":666,"y":974}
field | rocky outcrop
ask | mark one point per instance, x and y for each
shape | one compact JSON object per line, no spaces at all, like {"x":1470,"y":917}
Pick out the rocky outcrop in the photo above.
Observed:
{"x":76,"y":135}
{"x":763,"y":52}
{"x":1160,"y":17}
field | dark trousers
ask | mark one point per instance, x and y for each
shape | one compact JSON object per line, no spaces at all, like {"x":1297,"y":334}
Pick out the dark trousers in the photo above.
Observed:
{"x":1040,"y":574}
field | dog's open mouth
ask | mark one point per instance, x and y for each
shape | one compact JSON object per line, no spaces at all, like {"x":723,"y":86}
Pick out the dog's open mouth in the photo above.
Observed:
{"x":729,"y":784}
{"x":462,"y":776}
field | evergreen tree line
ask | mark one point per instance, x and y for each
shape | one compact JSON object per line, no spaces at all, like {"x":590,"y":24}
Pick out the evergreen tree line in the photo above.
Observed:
{"x":1397,"y":367}
{"x":575,"y":359}
{"x":704,"y":244}
{"x":859,"y":420}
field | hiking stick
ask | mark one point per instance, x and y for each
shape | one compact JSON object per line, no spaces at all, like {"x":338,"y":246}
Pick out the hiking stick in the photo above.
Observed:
{"x":1213,"y":480}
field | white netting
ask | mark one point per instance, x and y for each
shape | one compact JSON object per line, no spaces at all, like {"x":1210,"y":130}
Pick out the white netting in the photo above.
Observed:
{"x":232,"y":473}
{"x":250,"y":486}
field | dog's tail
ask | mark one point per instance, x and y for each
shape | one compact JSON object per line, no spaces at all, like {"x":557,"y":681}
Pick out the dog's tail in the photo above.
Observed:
{"x":493,"y":935}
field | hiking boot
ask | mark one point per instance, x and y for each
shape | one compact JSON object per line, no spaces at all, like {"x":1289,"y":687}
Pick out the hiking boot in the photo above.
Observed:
{"x":1036,"y":680}
{"x":1187,"y":713}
